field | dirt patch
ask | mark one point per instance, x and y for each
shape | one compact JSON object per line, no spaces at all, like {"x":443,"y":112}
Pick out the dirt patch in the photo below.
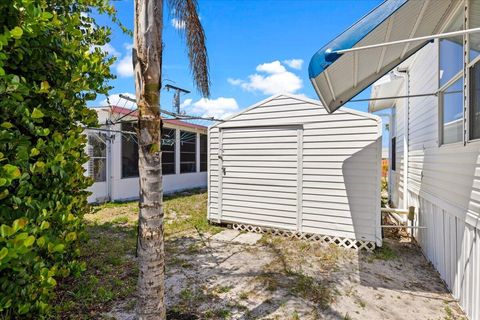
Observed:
{"x":275,"y":278}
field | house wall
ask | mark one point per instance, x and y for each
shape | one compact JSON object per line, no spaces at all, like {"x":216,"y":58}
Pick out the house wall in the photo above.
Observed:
{"x":128,"y":188}
{"x":328,"y":182}
{"x":444,"y":186}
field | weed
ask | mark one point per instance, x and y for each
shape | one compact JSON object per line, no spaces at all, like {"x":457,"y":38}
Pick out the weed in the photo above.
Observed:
{"x":448,"y":313}
{"x":295,"y":315}
{"x":243,"y":295}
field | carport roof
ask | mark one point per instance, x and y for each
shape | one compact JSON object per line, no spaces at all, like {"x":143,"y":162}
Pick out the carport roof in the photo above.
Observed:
{"x":339,"y":76}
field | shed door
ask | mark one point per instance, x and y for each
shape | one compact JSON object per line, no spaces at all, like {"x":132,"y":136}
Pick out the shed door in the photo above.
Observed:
{"x":259,"y":176}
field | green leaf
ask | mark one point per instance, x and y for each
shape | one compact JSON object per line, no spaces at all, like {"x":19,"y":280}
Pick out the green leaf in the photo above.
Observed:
{"x":3,"y":182}
{"x":19,"y":224}
{"x":4,"y":194}
{"x":51,"y":282}
{"x":29,"y":241}
{"x":41,"y":241}
{"x":3,"y":253}
{"x":11,"y":171}
{"x":37,"y":114}
{"x":58,"y":248}
{"x":7,"y":125}
{"x":24,"y":308}
{"x":71,"y":236}
{"x":16,"y":32}
{"x":47,"y":15}
{"x":34,"y":152}
{"x":2,"y":71}
{"x":6,"y":231}
{"x":44,"y":86}
{"x":44,"y":225}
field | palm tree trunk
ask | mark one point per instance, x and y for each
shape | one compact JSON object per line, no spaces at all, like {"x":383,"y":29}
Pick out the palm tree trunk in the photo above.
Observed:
{"x":147,"y":62}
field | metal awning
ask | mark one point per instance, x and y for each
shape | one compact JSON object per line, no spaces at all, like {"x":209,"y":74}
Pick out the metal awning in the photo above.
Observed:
{"x":339,"y":76}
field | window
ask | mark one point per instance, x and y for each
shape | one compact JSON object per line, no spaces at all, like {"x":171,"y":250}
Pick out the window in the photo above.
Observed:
{"x":394,"y":154}
{"x":129,"y":151}
{"x":451,"y":51}
{"x":168,"y":151}
{"x":451,"y":83}
{"x":474,"y":116}
{"x":203,"y":152}
{"x":188,"y":145}
{"x":474,"y":22}
{"x":452,"y":112}
{"x":97,"y":150}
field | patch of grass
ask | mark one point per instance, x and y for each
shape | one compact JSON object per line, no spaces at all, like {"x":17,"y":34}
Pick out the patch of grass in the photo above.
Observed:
{"x":222,"y":313}
{"x":222,"y":289}
{"x":313,"y":290}
{"x":111,"y":274}
{"x":120,"y":220}
{"x":384,"y":253}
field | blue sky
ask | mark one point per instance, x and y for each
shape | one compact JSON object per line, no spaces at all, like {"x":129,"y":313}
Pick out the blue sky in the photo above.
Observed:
{"x":256,"y":48}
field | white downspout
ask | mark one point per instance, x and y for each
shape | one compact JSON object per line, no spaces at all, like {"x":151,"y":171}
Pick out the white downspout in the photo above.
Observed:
{"x":389,"y":173}
{"x":404,"y":74}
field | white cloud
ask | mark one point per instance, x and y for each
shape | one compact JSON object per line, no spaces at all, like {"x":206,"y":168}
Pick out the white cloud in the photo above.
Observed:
{"x":271,"y":67}
{"x":219,"y":108}
{"x":294,"y":63}
{"x":275,"y":79}
{"x":186,"y":103}
{"x":128,"y":46}
{"x":177,"y":23}
{"x":125,"y":67}
{"x":235,"y":82}
{"x":115,"y":99}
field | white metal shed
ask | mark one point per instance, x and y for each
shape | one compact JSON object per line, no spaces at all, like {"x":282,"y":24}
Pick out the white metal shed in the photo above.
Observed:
{"x":286,"y":164}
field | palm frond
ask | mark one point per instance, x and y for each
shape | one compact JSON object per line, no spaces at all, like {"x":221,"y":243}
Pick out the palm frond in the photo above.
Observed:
{"x":185,"y":11}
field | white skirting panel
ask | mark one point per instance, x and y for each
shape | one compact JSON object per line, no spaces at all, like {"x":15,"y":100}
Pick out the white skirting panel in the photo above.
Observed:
{"x":453,"y":247}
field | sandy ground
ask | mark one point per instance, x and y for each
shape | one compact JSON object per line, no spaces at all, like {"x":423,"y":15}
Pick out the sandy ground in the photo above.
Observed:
{"x":234,"y":276}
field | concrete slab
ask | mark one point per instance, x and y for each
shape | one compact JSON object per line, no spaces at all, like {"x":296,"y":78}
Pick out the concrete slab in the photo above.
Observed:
{"x":226,"y":235}
{"x":247,"y":238}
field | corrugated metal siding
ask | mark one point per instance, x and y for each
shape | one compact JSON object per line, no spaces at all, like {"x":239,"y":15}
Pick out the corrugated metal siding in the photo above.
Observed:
{"x":333,"y":160}
{"x":444,"y":185}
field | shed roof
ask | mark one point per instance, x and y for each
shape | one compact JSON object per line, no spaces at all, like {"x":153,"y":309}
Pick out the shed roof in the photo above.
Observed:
{"x":297,"y":97}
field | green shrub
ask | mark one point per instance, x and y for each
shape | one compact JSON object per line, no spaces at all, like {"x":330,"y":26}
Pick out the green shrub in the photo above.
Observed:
{"x":50,"y":66}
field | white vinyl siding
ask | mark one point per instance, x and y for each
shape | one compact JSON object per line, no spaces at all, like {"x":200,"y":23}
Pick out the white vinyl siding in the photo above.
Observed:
{"x":444,"y":186}
{"x":291,"y":165}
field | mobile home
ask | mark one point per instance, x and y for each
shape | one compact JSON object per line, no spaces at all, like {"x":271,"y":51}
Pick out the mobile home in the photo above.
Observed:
{"x":286,"y":164}
{"x":433,"y":98}
{"x":113,"y":155}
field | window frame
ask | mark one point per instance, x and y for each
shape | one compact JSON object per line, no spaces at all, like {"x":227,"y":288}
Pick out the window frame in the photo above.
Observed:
{"x":122,"y":176}
{"x":441,"y":93}
{"x":173,"y":152}
{"x":464,"y":6}
{"x":194,"y":152}
{"x":204,"y":153}
{"x":92,"y":157}
{"x":467,"y":99}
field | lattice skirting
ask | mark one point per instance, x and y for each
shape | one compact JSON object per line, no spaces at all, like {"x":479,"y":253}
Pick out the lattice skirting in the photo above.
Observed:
{"x":340,"y":241}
